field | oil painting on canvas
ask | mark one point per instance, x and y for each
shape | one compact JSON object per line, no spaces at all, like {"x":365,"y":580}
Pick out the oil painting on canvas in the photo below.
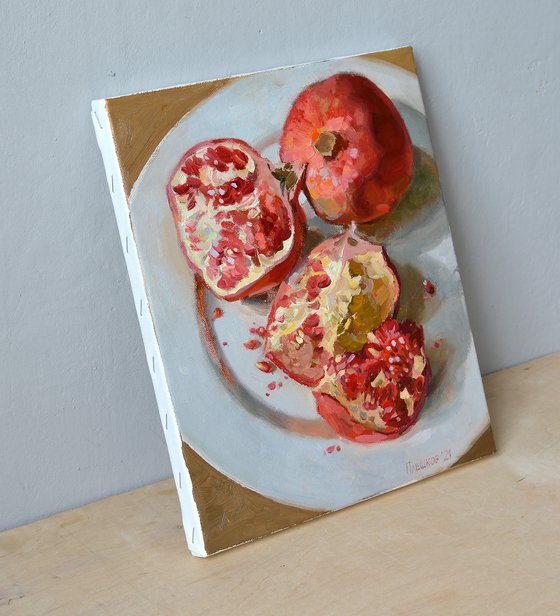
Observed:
{"x":298,"y":290}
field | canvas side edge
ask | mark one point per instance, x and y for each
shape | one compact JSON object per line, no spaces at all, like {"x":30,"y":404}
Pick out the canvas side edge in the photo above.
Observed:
{"x":189,"y":510}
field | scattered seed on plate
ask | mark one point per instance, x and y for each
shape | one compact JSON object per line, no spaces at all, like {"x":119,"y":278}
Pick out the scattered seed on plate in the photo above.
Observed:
{"x":429,"y":286}
{"x":217,"y":313}
{"x":265,"y":366}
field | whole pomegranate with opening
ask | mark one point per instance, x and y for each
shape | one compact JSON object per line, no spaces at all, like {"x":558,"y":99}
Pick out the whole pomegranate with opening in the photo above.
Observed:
{"x":354,"y":146}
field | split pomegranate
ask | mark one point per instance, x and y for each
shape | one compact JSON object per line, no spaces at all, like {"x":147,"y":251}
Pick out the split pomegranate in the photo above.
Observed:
{"x":354,"y":146}
{"x":379,"y":391}
{"x":345,"y":288}
{"x":238,"y":227}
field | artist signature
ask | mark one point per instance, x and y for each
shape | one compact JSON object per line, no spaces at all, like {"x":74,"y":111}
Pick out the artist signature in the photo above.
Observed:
{"x":413,"y":467}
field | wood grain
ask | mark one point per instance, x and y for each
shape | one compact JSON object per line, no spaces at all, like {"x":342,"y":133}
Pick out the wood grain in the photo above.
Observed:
{"x":480,"y":540}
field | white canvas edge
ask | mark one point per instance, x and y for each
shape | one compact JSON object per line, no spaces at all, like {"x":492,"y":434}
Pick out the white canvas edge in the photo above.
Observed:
{"x":189,"y":510}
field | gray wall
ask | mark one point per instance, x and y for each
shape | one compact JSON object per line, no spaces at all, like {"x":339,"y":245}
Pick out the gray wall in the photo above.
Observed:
{"x":79,"y":420}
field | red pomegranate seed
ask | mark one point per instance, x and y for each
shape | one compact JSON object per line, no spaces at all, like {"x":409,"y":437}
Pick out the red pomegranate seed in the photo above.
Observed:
{"x":323,"y":281}
{"x":252,"y":344}
{"x":217,"y":313}
{"x":429,"y":287}
{"x":258,"y":331}
{"x":310,"y":324}
{"x":181,"y":189}
{"x":265,"y":366}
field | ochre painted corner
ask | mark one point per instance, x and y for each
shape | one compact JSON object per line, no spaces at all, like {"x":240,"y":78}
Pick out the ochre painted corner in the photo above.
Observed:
{"x":231,"y":514}
{"x":483,"y":446}
{"x":402,"y":56}
{"x":140,"y":121}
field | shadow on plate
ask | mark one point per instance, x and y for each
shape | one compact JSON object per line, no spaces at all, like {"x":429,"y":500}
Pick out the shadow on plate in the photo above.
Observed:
{"x":423,"y":193}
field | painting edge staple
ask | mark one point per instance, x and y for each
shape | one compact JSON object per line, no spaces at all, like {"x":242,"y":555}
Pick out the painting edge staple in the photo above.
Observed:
{"x":189,"y":510}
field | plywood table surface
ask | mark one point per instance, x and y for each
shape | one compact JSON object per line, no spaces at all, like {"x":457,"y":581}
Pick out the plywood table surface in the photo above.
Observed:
{"x":482,"y":539}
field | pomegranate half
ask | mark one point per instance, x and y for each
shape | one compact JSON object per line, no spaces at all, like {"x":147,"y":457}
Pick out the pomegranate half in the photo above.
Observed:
{"x":345,"y":288}
{"x":237,"y":226}
{"x":380,"y":391}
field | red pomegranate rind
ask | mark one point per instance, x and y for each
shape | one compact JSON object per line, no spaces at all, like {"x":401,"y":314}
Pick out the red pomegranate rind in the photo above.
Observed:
{"x":380,"y":390}
{"x":339,"y":420}
{"x":235,"y":225}
{"x":344,"y":289}
{"x":355,"y":147}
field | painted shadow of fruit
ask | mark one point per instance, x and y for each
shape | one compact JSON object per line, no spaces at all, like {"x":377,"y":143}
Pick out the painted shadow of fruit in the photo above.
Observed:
{"x":415,"y":205}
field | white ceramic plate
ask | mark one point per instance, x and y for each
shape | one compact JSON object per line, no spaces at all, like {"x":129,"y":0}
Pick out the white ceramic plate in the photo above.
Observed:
{"x":277,"y":445}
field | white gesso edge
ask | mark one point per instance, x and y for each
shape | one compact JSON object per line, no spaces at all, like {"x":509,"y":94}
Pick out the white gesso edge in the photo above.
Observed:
{"x":191,"y":518}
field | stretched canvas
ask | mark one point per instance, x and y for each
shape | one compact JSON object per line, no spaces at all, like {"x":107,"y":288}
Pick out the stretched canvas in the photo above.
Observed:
{"x":297,"y":290}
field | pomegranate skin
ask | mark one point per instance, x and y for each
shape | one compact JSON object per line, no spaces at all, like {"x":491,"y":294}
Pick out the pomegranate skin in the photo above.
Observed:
{"x":352,"y":144}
